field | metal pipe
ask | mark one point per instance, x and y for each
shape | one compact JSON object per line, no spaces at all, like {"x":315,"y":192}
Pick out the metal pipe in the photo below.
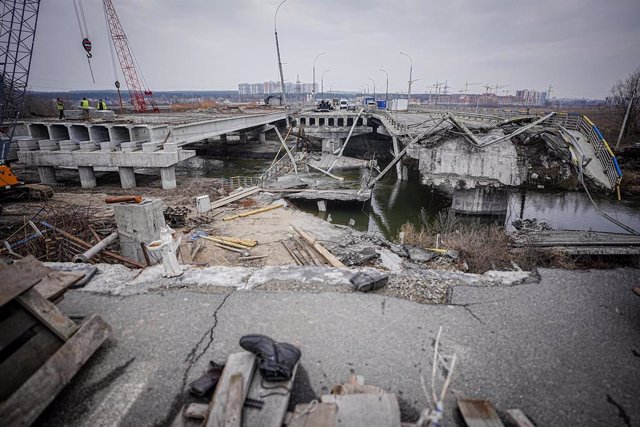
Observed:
{"x":96,"y":249}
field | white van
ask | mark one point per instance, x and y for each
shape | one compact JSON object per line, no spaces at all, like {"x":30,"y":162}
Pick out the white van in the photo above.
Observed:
{"x":344,"y":104}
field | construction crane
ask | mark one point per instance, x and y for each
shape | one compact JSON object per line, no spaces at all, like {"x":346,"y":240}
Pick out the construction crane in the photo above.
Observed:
{"x":466,"y":86}
{"x":18,"y":21}
{"x":140,"y":95}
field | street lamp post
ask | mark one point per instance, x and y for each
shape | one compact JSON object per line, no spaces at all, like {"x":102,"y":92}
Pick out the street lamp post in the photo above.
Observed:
{"x":386,"y":93}
{"x":410,"y":76}
{"x":314,"y":75}
{"x":275,"y":30}
{"x":374,"y":88}
{"x":322,"y":82}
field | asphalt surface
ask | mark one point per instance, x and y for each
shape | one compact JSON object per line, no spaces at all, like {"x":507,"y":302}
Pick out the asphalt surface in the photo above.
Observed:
{"x":564,"y":350}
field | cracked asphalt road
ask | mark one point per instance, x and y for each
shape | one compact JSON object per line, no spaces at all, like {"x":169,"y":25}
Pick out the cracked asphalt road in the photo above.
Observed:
{"x":564,"y":350}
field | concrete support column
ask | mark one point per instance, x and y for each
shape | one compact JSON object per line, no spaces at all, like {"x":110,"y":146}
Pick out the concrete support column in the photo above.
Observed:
{"x":243,"y":137}
{"x":322,"y":205}
{"x":396,"y":150}
{"x":138,"y":223}
{"x":127,"y":177}
{"x":404,"y":176}
{"x":262,"y":137}
{"x":223,"y":138}
{"x":168,"y":176}
{"x":47,"y":174}
{"x":87,"y":176}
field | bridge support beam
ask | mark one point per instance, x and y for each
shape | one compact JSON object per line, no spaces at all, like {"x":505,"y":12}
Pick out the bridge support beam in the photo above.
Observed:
{"x":87,"y":176}
{"x":168,"y":177}
{"x":330,"y":145}
{"x":400,"y":174}
{"x":322,"y":205}
{"x":262,"y":137}
{"x":223,"y":138}
{"x":47,"y":175}
{"x":243,"y":137}
{"x":127,"y":177}
{"x":481,"y":201}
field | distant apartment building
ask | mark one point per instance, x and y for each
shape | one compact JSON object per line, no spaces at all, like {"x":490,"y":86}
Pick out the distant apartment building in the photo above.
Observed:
{"x":531,"y":97}
{"x":274,"y":87}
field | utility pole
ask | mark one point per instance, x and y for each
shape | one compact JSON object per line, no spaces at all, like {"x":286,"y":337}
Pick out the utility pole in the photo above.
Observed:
{"x":626,"y":117}
{"x":314,"y":75}
{"x":374,"y":88}
{"x":410,"y":76}
{"x":386,"y":93}
{"x":275,"y":30}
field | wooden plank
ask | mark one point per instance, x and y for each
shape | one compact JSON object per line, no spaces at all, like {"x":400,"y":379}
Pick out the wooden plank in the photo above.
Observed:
{"x":479,"y":413}
{"x":57,"y":282}
{"x":47,"y":313}
{"x":26,"y":360}
{"x":197,"y":411}
{"x":235,"y":401}
{"x":518,"y":418}
{"x":16,"y":324}
{"x":235,"y":197}
{"x":237,"y":363}
{"x":316,"y":415}
{"x":20,"y":276}
{"x":366,"y":410}
{"x":275,"y":396}
{"x":24,"y":406}
{"x":335,"y":262}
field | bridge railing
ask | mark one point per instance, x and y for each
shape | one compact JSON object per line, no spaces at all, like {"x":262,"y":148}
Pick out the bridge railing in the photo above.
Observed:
{"x":603,"y":152}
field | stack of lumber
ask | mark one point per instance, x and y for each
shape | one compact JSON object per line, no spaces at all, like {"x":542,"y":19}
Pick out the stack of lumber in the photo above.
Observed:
{"x":306,"y":250}
{"x":41,"y":349}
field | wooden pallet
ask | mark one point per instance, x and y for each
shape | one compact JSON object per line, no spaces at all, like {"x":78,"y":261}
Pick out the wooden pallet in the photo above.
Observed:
{"x":41,"y":349}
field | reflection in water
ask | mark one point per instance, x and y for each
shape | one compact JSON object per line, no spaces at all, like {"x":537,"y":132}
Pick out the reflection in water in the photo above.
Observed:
{"x":394,"y":202}
{"x":571,"y":211}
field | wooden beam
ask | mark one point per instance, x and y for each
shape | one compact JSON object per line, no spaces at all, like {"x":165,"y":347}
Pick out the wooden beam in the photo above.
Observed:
{"x":335,"y":262}
{"x":479,"y":413}
{"x":275,"y":396}
{"x":284,"y":144}
{"x":26,"y":403}
{"x":237,"y":363}
{"x":518,"y":418}
{"x":235,"y":402}
{"x":20,"y":276}
{"x":235,"y":197}
{"x":47,"y":313}
{"x":339,"y":178}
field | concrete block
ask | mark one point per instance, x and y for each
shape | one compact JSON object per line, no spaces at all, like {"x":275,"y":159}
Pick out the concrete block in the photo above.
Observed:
{"x":47,"y":175}
{"x":69,"y":145}
{"x":128,"y":147}
{"x":87,"y":176}
{"x":127,"y":177}
{"x":74,"y":114}
{"x":168,"y":177}
{"x":138,"y":223}
{"x":28,"y":145}
{"x":106,"y":115}
{"x":109,"y":146}
{"x":48,"y":144}
{"x":171,"y":147}
{"x":88,"y":146}
{"x":322,"y":205}
{"x":150,"y":147}
{"x":203,"y":204}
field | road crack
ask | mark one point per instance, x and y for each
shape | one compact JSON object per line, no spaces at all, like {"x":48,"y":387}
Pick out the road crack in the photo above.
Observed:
{"x":621,"y":412}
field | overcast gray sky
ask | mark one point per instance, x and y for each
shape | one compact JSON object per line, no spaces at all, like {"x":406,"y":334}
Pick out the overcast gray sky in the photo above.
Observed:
{"x":580,"y":47}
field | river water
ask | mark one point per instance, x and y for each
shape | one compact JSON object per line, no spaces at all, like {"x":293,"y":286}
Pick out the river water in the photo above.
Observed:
{"x":394,"y":202}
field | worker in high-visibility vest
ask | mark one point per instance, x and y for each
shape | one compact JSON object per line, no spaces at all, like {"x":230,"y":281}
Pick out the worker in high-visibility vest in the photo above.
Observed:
{"x":60,"y":106}
{"x":84,"y":104}
{"x":101,"y":105}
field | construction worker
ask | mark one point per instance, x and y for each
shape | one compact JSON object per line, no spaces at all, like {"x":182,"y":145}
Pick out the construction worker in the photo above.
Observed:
{"x":101,"y":105}
{"x":60,"y":106}
{"x":84,"y":104}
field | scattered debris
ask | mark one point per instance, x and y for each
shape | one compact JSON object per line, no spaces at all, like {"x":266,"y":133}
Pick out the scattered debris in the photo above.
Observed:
{"x":176,"y":217}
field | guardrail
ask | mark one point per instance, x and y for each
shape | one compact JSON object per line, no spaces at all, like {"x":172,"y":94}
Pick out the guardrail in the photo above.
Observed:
{"x":603,"y":152}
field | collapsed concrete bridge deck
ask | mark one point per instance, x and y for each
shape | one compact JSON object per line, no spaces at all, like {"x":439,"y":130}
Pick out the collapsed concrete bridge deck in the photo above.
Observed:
{"x":139,"y":142}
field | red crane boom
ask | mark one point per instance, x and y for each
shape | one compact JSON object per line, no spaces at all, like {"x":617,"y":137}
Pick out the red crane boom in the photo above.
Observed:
{"x":140,"y":99}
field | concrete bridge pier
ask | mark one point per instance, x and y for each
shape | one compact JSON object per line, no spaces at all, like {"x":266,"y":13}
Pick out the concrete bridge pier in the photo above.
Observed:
{"x":223,"y":138}
{"x":87,"y":176}
{"x":47,"y":175}
{"x":329,"y":145}
{"x":168,"y":177}
{"x":127,"y":177}
{"x":322,"y":205}
{"x":481,"y":201}
{"x":262,"y":137}
{"x":243,"y":137}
